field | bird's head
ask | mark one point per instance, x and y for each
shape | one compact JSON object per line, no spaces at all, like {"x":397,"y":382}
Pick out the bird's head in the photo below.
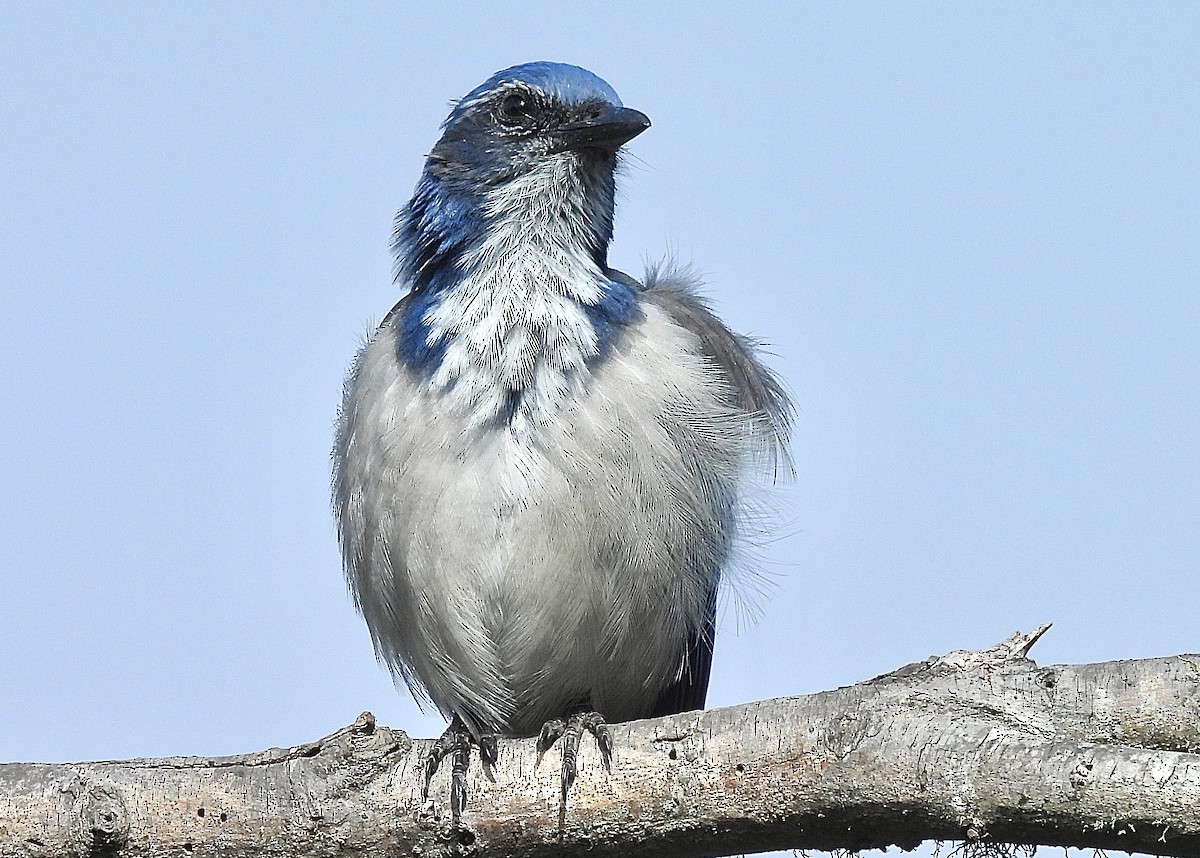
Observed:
{"x":540,"y":136}
{"x":516,"y":119}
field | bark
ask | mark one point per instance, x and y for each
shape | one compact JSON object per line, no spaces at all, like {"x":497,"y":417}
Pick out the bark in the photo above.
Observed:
{"x":984,"y":747}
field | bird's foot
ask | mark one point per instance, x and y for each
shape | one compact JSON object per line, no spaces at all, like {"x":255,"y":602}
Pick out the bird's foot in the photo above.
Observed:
{"x":570,"y":730}
{"x":456,"y":743}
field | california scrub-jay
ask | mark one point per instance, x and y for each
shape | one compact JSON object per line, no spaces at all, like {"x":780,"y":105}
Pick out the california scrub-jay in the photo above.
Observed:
{"x":539,"y":461}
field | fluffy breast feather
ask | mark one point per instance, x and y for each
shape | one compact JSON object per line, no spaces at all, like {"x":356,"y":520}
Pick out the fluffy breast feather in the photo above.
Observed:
{"x":573,"y":567}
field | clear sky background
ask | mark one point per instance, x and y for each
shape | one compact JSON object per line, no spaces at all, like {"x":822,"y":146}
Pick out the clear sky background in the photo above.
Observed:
{"x":970,"y":231}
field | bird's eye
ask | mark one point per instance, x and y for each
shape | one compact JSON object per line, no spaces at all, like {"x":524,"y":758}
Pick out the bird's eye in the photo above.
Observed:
{"x":516,"y":108}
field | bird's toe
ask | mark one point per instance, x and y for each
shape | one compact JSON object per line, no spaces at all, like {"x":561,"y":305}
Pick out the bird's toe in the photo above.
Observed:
{"x":455,"y":743}
{"x":570,"y":730}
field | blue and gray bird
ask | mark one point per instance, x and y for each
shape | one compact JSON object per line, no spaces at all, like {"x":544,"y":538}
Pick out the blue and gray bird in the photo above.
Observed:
{"x":540,"y":463}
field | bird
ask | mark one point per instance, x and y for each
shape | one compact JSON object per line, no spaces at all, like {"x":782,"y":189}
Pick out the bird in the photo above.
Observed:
{"x":541,"y":464}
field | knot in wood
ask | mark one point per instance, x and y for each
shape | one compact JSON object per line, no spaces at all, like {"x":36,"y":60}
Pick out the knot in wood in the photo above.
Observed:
{"x":100,"y":820}
{"x":846,"y":733}
{"x":1080,"y":776}
{"x":364,"y":724}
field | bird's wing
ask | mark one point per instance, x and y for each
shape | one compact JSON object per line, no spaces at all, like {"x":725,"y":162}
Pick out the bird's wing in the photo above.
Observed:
{"x":757,"y":392}
{"x":689,"y":690}
{"x":756,"y":389}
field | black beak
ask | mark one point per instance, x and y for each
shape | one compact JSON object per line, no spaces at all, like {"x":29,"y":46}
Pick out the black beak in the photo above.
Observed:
{"x":607,"y":130}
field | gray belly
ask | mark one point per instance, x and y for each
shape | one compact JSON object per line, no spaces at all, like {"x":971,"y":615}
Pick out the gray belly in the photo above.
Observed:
{"x":556,"y":594}
{"x":507,"y":576}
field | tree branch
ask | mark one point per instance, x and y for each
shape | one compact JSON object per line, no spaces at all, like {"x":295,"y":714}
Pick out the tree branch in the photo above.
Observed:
{"x":977,"y":746}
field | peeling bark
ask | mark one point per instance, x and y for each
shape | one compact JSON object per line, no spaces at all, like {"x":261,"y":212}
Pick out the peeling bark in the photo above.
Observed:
{"x":977,"y":746}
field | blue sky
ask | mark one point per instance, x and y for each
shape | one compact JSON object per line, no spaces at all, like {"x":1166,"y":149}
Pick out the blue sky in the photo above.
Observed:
{"x":969,"y":231}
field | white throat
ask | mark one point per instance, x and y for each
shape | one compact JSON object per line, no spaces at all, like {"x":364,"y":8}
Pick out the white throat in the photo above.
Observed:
{"x":518,"y":339}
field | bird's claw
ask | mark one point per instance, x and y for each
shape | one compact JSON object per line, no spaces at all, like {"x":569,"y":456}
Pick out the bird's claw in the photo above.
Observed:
{"x":456,"y":743}
{"x":489,"y":750}
{"x":570,"y":731}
